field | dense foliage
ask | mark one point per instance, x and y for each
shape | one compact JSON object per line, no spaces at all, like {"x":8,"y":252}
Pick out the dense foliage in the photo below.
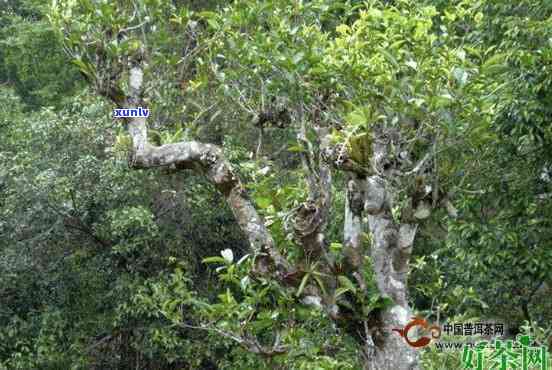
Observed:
{"x":106,"y":267}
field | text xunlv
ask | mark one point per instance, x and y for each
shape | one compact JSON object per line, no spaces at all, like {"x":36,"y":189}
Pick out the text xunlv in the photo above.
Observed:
{"x":131,"y":112}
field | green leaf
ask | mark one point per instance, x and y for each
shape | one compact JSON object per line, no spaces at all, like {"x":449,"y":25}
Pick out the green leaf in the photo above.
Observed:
{"x":442,"y":101}
{"x":386,"y":302}
{"x":296,"y":149}
{"x":84,"y":67}
{"x":336,"y":247}
{"x":215,"y":259}
{"x":320,"y":283}
{"x":213,"y":23}
{"x":356,"y":118}
{"x":346,"y":283}
{"x":210,"y":17}
{"x":302,"y":285}
{"x":390,"y":58}
{"x":495,"y":59}
{"x":298,"y":57}
{"x":341,"y":291}
{"x":263,"y":202}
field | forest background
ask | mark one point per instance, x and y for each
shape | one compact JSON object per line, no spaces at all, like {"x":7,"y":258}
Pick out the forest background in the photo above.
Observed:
{"x":353,"y":128}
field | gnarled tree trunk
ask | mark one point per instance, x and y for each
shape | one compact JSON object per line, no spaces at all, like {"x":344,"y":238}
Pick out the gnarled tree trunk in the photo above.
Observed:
{"x":390,"y":252}
{"x":371,"y":198}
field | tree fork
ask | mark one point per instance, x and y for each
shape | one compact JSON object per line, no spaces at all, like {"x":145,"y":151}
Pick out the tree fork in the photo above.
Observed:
{"x":209,"y":160}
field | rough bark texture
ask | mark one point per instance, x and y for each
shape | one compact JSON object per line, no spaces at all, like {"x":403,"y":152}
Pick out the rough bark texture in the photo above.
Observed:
{"x":390,"y":253}
{"x":391,"y":248}
{"x":209,"y":160}
{"x":353,"y":226}
{"x":369,"y":195}
{"x":381,"y":348}
{"x":311,"y":218}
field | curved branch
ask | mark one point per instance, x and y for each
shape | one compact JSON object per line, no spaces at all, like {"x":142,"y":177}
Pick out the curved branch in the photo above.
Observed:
{"x":209,"y":160}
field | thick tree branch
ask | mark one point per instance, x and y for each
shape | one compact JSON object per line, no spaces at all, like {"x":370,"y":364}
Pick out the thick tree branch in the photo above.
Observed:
{"x":312,"y":216}
{"x":390,"y":253}
{"x":209,"y":160}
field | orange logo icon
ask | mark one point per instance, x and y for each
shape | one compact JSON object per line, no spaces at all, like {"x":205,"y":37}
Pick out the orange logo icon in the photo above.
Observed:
{"x":422,"y":341}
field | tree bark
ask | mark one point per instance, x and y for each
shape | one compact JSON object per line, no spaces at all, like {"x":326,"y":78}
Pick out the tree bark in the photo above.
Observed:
{"x":367,"y":195}
{"x":380,"y":347}
{"x":353,"y":225}
{"x":311,"y":218}
{"x":209,"y":160}
{"x":390,"y":253}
